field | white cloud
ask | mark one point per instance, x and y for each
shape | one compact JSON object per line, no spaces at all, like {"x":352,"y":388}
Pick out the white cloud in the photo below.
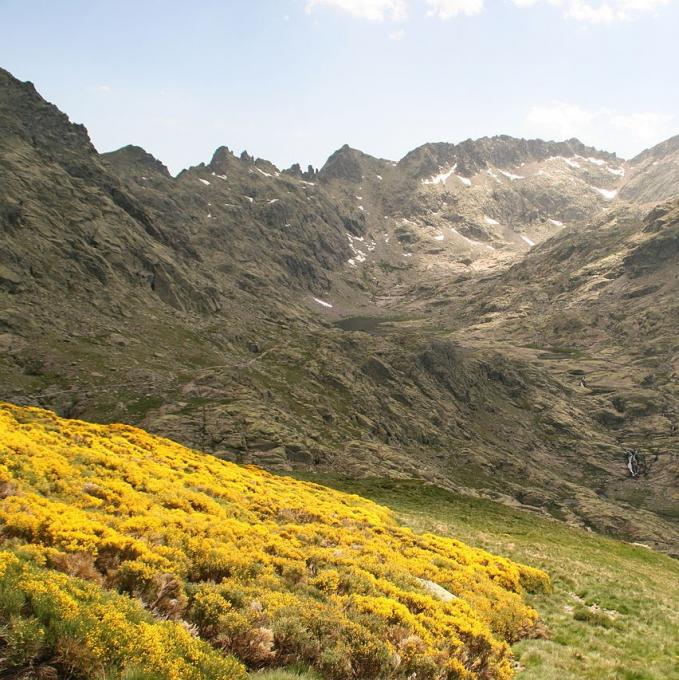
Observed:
{"x":374,"y":10}
{"x":587,"y":11}
{"x":599,"y":11}
{"x":103,"y":88}
{"x":445,"y":9}
{"x":397,"y":35}
{"x":627,"y":133}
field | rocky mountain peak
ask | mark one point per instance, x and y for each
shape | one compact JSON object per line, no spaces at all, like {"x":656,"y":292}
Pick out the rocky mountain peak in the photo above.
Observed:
{"x":134,"y":158}
{"x":502,"y":151}
{"x":24,"y":114}
{"x":350,"y":165}
{"x":222,"y":159}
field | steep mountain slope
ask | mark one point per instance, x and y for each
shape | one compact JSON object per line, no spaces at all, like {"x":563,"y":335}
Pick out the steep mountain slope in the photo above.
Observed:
{"x":267,"y":569}
{"x":597,"y":310}
{"x":476,"y":203}
{"x":208,"y":307}
{"x":653,"y":174}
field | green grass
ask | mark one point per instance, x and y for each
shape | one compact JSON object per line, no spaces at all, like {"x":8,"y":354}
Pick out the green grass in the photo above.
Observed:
{"x":292,"y":673}
{"x":614,"y":612}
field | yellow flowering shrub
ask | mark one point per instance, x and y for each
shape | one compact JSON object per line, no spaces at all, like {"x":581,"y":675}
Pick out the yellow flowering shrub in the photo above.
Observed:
{"x":135,"y":552}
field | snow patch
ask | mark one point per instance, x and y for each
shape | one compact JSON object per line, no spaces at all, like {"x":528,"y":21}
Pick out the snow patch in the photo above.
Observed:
{"x":465,"y":180}
{"x":619,"y":172}
{"x":528,"y":241}
{"x":489,"y":220}
{"x":249,"y":198}
{"x":323,"y":303}
{"x":556,"y":223}
{"x":439,"y":237}
{"x":266,"y":174}
{"x":204,"y":181}
{"x":379,"y":177}
{"x":511,"y":176}
{"x":608,"y":194}
{"x":273,"y":200}
{"x":441,"y":178}
{"x":596,"y":161}
{"x":359,"y":255}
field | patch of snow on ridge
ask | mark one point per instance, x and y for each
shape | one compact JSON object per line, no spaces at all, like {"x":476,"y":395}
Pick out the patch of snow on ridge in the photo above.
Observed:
{"x":511,"y":176}
{"x":489,"y":220}
{"x":359,"y":255}
{"x":608,"y":194}
{"x":221,"y":176}
{"x":596,"y":161}
{"x":620,"y":172}
{"x":266,"y":174}
{"x":442,"y":178}
{"x":439,"y":237}
{"x":204,"y":181}
{"x":252,"y":200}
{"x":556,"y":223}
{"x":465,"y":180}
{"x":528,"y":241}
{"x":570,"y":162}
{"x":379,"y":177}
{"x":322,"y":302}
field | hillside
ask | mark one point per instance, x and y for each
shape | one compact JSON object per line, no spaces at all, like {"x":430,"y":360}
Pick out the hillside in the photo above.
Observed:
{"x":595,"y":309}
{"x":613,"y":610}
{"x":125,"y":554}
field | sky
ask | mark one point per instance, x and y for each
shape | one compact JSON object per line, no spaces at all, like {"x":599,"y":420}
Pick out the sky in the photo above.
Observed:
{"x":293,"y":80}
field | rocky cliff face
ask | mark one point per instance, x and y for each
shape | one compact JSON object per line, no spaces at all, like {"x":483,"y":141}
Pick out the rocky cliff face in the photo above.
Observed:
{"x":430,"y":318}
{"x":654,"y":174}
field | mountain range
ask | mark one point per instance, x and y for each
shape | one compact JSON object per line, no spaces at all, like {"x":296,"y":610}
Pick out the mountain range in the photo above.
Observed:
{"x":497,"y":317}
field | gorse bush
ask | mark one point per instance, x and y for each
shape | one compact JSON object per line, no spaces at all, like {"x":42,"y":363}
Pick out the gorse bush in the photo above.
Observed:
{"x":130,"y":556}
{"x":60,"y":622}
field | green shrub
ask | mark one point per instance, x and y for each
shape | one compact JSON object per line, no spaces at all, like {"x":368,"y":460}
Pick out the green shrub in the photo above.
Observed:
{"x":593,"y":616}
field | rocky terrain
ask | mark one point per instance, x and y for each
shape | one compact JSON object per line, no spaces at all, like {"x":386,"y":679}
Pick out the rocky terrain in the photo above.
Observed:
{"x":498,"y":317}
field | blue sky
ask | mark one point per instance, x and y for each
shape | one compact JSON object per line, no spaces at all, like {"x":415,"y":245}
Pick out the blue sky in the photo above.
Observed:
{"x":292,"y":80}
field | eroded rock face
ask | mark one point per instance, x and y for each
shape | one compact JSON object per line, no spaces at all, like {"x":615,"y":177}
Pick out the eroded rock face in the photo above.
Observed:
{"x":509,"y":320}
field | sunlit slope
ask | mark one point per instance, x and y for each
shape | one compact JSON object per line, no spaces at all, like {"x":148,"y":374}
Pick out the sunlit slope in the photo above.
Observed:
{"x":270,"y":570}
{"x":613,"y":612}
